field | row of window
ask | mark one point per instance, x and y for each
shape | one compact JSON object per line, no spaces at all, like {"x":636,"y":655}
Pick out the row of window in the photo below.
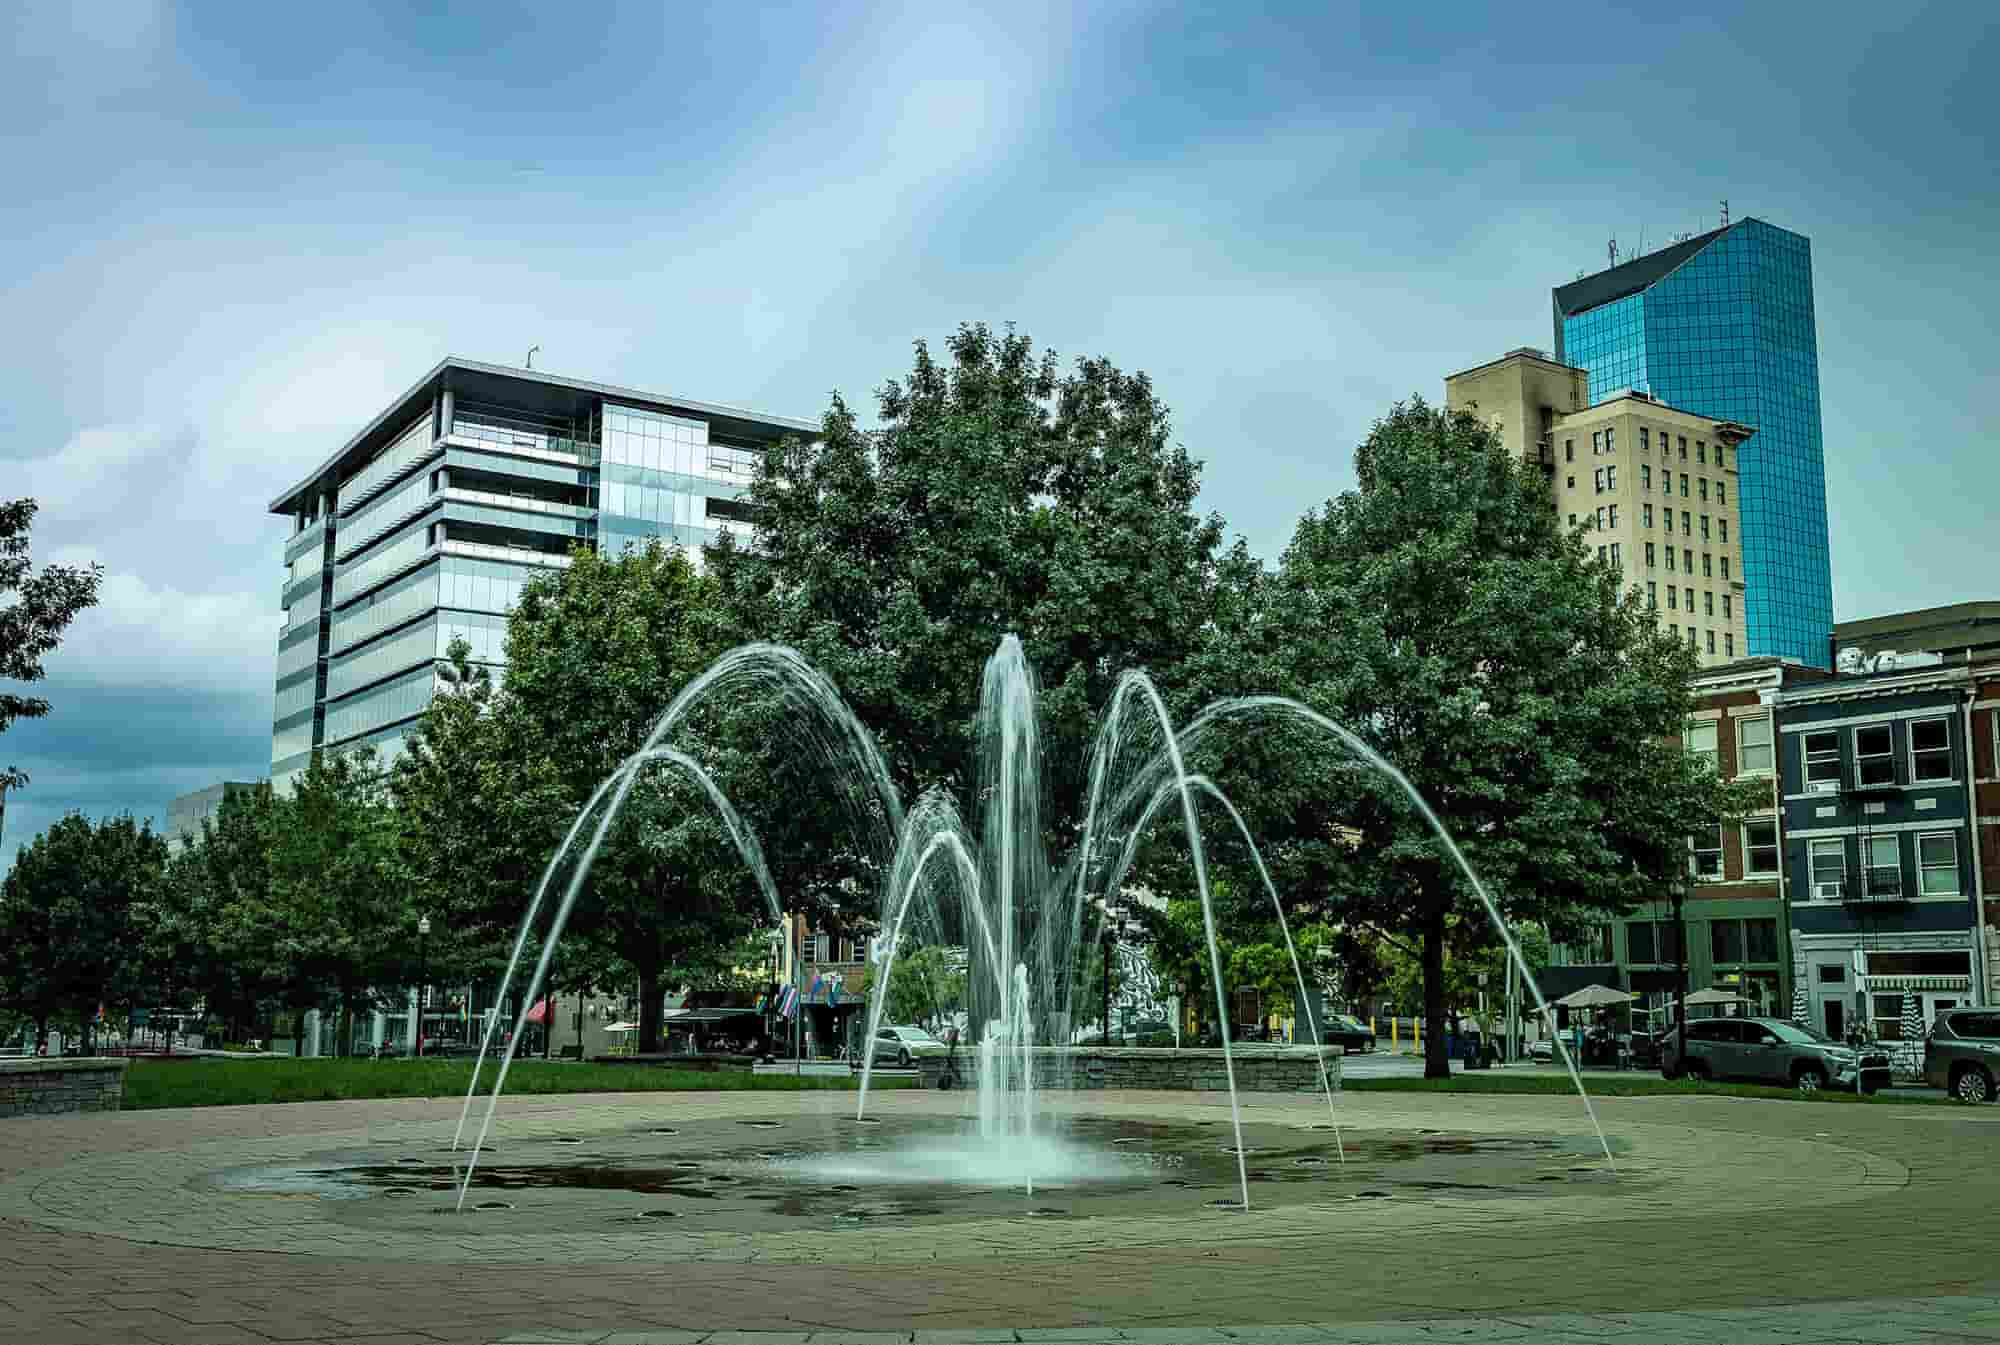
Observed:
{"x":412,"y":446}
{"x":382,"y":513}
{"x":381,"y":706}
{"x":1875,"y":754}
{"x":1687,"y":523}
{"x":1759,"y":840}
{"x":357,"y":577}
{"x":384,"y":609}
{"x":1730,"y":942}
{"x":1605,"y":441}
{"x":1881,"y":870}
{"x":1708,"y":566}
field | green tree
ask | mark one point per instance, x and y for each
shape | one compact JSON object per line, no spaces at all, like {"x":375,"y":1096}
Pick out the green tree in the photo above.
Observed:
{"x":1251,"y":946}
{"x":999,"y":495}
{"x":66,"y":917}
{"x":32,"y":621}
{"x":924,"y":988}
{"x":1442,"y":613}
{"x":595,"y":652}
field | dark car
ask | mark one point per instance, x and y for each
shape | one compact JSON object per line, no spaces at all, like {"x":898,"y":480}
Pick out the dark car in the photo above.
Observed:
{"x":1770,"y":1051}
{"x":1348,"y":1032}
{"x":1962,"y":1053}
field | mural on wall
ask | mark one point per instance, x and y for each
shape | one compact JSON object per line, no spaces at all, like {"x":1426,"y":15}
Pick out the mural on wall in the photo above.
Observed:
{"x":1140,"y":995}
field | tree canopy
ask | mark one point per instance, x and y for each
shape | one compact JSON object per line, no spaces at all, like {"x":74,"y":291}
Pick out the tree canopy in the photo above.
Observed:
{"x":32,"y":620}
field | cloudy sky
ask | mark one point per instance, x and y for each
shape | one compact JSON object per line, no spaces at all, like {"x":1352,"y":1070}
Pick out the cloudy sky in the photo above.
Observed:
{"x":233,"y":231}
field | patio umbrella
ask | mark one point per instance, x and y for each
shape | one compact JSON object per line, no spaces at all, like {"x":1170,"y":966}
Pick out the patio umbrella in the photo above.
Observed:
{"x":622,"y":1027}
{"x":1911,"y":1058}
{"x":1715,"y":997}
{"x":1594,"y":997}
{"x":1800,"y":1007}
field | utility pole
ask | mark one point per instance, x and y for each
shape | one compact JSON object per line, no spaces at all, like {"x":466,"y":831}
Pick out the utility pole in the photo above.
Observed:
{"x":1681,"y":966}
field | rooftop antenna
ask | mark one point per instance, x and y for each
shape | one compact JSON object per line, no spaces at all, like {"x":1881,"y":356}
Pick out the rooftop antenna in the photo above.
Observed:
{"x":531,"y":355}
{"x":1611,"y":248}
{"x":1725,"y":212}
{"x":1642,"y":242}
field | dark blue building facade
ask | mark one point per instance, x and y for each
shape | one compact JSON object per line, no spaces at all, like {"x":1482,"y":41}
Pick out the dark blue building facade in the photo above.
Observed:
{"x":1722,"y":325}
{"x":1877,"y":788}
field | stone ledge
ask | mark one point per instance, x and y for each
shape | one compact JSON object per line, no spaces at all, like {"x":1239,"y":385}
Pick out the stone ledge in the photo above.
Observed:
{"x":41,"y":1087}
{"x":65,"y":1065}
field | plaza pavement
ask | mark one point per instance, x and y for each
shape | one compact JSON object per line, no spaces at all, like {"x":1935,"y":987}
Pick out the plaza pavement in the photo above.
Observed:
{"x":1734,"y":1220}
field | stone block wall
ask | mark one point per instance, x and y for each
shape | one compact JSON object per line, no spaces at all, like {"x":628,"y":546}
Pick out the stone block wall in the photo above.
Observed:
{"x":43,"y":1087}
{"x":1259,"y":1069}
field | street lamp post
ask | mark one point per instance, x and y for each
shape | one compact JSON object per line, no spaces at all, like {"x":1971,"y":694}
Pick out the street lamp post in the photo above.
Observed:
{"x":423,"y":974}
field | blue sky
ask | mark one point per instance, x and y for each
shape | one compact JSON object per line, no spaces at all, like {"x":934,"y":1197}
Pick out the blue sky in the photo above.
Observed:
{"x":234,"y":231}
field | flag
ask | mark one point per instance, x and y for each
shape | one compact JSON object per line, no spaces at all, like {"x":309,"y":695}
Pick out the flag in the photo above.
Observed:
{"x":813,"y":993}
{"x":788,"y":1001}
{"x":833,"y":990}
{"x":758,"y":1007}
{"x":540,"y":1012}
{"x":465,"y":1011}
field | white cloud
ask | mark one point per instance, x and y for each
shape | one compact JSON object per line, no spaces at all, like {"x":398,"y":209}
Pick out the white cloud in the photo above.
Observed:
{"x":145,"y":635}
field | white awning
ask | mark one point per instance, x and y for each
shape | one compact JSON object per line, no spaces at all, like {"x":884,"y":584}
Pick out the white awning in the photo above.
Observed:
{"x":1918,"y":982}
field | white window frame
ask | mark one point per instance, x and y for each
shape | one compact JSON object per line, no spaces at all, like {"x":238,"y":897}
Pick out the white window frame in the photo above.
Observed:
{"x":1750,"y":870}
{"x":1705,"y":728}
{"x":1870,"y":868}
{"x":1911,"y":731}
{"x":1887,"y":756}
{"x":1611,"y":477}
{"x":1742,"y":747}
{"x":1695,"y":853}
{"x":1824,"y":759}
{"x":1597,"y":480}
{"x":1815,"y":849}
{"x":1923,"y":869}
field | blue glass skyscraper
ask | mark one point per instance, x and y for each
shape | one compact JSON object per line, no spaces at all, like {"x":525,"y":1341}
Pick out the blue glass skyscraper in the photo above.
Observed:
{"x":1722,"y":325}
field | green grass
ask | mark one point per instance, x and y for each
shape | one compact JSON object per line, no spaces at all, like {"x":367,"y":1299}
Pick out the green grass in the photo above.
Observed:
{"x":151,"y":1084}
{"x":1600,"y":1086}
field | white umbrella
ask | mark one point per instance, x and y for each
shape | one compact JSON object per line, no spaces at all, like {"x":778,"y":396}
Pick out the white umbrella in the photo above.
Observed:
{"x":1716,"y":997}
{"x":622,"y":1027}
{"x":1594,"y":997}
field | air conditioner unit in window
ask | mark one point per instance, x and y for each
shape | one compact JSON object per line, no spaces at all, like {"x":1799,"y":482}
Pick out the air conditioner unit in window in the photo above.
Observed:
{"x":1828,"y":891}
{"x":1822,"y":786}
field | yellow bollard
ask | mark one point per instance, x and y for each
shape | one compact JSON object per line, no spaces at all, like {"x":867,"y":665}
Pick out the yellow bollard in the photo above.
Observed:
{"x":1417,"y":1035}
{"x":1395,"y":1038}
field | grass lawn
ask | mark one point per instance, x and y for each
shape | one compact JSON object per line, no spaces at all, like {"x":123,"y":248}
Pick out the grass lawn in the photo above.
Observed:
{"x":1599,"y":1086}
{"x":228,"y":1083}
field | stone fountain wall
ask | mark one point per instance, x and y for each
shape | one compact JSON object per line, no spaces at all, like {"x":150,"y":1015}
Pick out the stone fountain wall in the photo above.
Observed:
{"x":1259,"y":1069}
{"x":38,"y":1087}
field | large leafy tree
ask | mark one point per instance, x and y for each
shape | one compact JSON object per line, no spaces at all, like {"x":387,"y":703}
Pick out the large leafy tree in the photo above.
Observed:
{"x":1000,"y":494}
{"x":1442,"y":613}
{"x":66,"y":917}
{"x":35,"y":610}
{"x":595,"y":652}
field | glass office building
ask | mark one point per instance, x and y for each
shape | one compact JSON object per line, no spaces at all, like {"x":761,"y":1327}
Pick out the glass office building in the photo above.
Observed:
{"x":425,"y":526}
{"x":1722,"y":325}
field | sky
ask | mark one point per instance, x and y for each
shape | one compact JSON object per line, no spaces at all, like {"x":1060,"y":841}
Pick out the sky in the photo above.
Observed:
{"x":235,"y":231}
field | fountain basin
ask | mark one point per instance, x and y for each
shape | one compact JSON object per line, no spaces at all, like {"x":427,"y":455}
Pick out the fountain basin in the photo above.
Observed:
{"x":1260,"y":1068}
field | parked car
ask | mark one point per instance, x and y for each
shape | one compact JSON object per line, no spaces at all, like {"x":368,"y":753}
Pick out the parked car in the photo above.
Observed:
{"x":1770,"y":1051}
{"x":1962,"y":1053}
{"x":901,"y":1045}
{"x":1542,"y":1049}
{"x":1348,"y":1032}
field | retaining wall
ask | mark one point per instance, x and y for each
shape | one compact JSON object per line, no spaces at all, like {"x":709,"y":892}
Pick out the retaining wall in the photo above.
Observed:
{"x":42,"y":1087}
{"x":1259,"y":1069}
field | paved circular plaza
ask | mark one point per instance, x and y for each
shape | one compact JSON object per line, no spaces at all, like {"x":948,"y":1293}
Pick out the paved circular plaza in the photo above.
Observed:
{"x":675,"y":1216}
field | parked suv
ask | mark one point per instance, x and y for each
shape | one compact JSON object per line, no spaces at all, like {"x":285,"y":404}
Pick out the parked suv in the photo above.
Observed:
{"x":1770,"y":1050}
{"x":1962,"y":1053}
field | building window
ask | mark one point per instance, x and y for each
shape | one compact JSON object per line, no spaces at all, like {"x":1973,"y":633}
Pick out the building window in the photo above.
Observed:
{"x":1711,"y":640}
{"x":1596,"y":442}
{"x":1701,"y":740}
{"x":1725,"y":567}
{"x":1645,"y":440}
{"x":1708,"y":852}
{"x":1701,"y":452}
{"x":1570,"y":482}
{"x":1704,"y":527}
{"x":1722,"y":530}
{"x":1761,"y":936}
{"x":1673,"y":598}
{"x":1572,"y":520}
{"x":1707,"y":603}
{"x":1684,"y":448}
{"x":1600,"y":555}
{"x":1616,"y":564}
{"x":1720,"y":498}
{"x":1652,"y":595}
{"x":1728,"y":645}
{"x":1687,"y":526}
{"x":1760,"y":842}
{"x":1690,"y":601}
{"x":1684,"y":485}
{"x":1569,"y":450}
{"x":1611,"y":439}
{"x":1597,"y":480}
{"x":1614,"y":515}
{"x":1828,"y":861}
{"x":1885,"y":866}
{"x":1822,"y":758}
{"x":1930,"y":750}
{"x":1645,"y":476}
{"x":1725,"y":607}
{"x":1670,"y":558}
{"x":1652,"y":558}
{"x":1725,"y":942}
{"x":1707,"y":565}
{"x":1937,"y":864}
{"x":1611,"y":478}
{"x":1600,"y":518}
{"x":1687,"y":566}
{"x":1701,"y":490}
{"x":1646,"y":515}
{"x":1753,"y":746}
{"x":1874,"y":759}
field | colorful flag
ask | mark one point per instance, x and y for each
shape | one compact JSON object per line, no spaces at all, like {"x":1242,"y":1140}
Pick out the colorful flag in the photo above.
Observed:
{"x":788,"y":1002}
{"x":833,"y":990}
{"x":813,"y":993}
{"x":540,"y":1012}
{"x":758,"y":1007}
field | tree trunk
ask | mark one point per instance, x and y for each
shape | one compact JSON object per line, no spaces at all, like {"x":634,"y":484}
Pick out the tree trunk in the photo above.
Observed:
{"x":649,"y":1010}
{"x":1437,"y":1064}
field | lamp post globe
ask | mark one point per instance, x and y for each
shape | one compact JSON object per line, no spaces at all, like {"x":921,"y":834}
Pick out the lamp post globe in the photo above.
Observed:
{"x":423,"y":975}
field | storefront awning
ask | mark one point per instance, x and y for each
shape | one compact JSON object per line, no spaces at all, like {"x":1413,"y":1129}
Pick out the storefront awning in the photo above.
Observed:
{"x":1918,"y":982}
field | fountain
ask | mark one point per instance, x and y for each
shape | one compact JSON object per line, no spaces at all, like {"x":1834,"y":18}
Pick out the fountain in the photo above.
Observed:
{"x":1023,"y":920}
